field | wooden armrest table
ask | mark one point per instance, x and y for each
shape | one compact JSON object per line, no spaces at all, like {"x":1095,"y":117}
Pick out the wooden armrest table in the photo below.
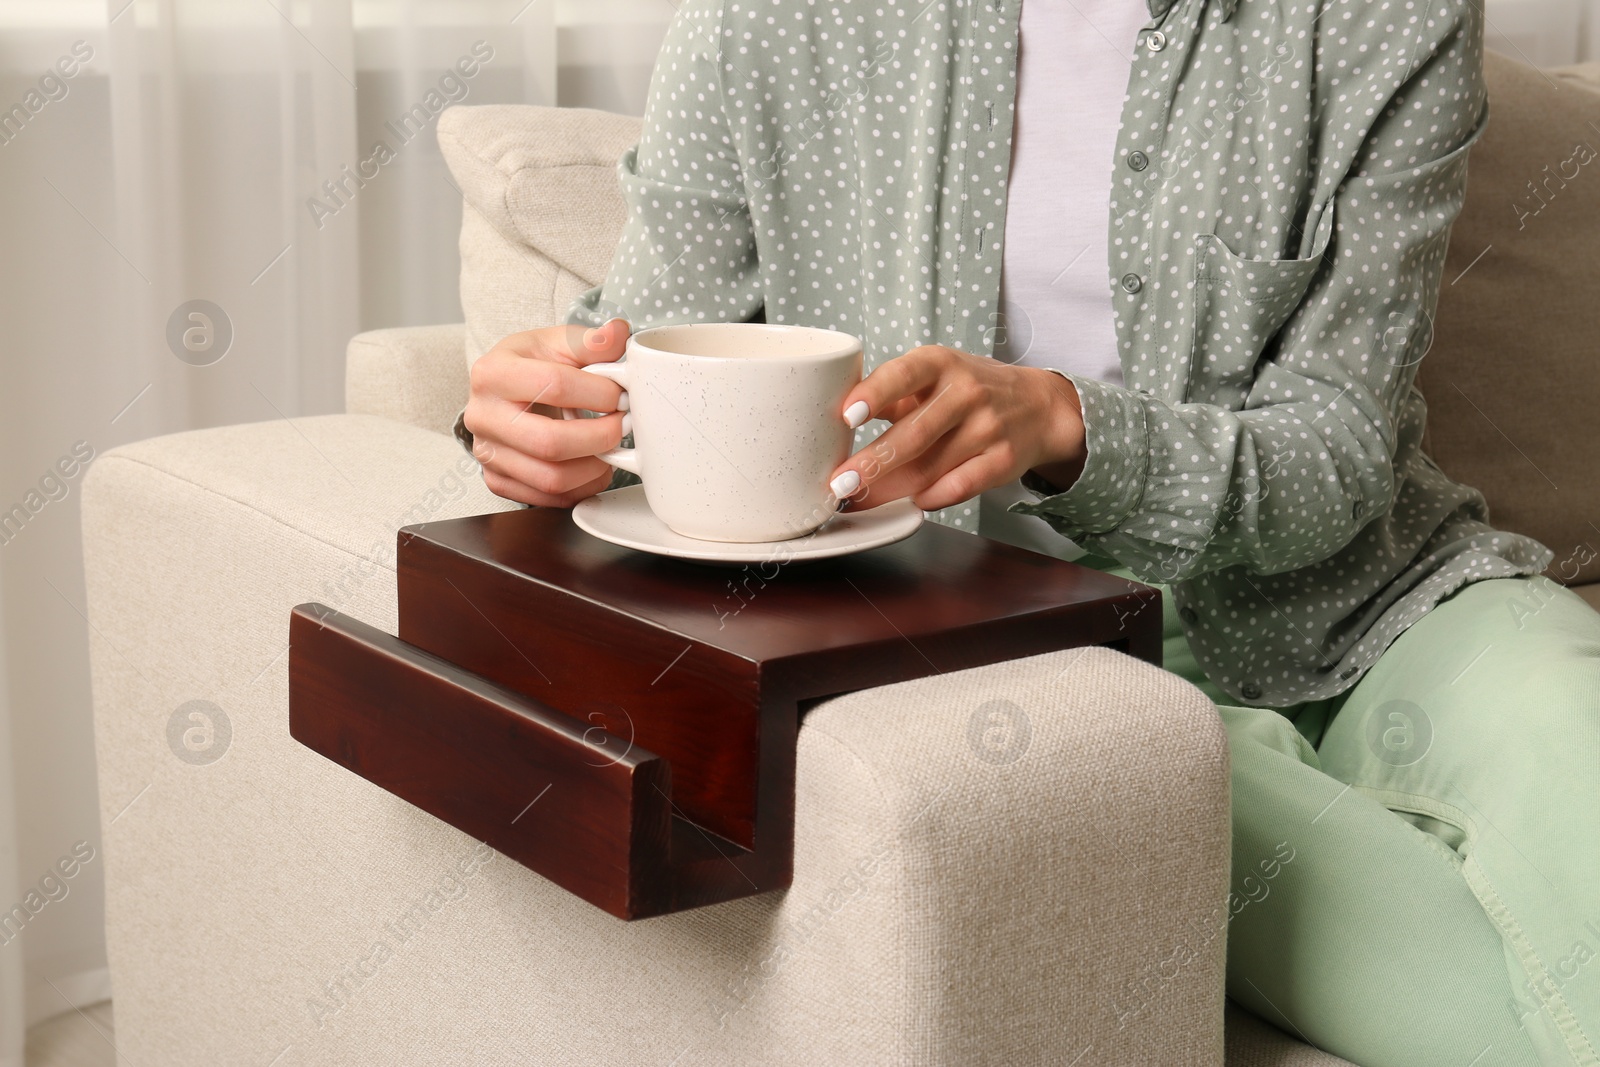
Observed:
{"x":625,"y":724}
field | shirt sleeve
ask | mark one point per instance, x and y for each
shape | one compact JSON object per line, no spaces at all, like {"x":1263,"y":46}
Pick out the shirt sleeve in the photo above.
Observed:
{"x":687,"y":252}
{"x":1176,"y":490}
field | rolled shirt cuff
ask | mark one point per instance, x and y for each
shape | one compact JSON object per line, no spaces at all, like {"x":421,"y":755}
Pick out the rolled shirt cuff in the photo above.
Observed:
{"x":1115,"y":468}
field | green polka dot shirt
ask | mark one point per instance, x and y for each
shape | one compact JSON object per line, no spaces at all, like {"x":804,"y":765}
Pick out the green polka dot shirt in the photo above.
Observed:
{"x":1284,"y":182}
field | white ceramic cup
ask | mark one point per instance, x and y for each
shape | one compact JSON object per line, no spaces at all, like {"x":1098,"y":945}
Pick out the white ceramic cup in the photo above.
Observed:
{"x":737,"y":426}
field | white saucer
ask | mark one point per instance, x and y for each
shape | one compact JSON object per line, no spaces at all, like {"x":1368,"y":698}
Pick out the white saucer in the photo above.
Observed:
{"x":622,"y":517}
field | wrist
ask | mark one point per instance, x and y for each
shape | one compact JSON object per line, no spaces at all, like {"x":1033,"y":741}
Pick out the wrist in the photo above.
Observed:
{"x":1063,"y":449}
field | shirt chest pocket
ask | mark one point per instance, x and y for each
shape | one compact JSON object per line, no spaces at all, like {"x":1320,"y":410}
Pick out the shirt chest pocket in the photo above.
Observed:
{"x":1239,"y":306}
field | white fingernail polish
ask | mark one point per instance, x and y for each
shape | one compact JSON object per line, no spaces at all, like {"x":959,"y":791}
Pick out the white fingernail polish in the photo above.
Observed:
{"x":856,"y":413}
{"x":627,"y":424}
{"x":622,"y":402}
{"x":845,"y":484}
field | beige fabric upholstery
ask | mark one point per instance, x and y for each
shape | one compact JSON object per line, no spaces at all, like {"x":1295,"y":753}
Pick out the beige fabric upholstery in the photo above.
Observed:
{"x":945,"y":910}
{"x":409,"y":374}
{"x":1586,"y":75}
{"x":1512,"y":381}
{"x":1253,"y":1043}
{"x":542,"y":210}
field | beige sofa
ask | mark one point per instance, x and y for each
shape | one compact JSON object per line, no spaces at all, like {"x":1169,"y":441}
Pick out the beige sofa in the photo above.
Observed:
{"x":266,"y":907}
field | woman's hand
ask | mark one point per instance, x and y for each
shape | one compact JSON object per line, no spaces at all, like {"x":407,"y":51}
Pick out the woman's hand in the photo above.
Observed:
{"x":962,"y":424}
{"x":528,"y":452}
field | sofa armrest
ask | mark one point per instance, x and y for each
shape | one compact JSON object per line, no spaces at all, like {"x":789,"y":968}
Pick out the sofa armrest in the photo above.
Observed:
{"x":1056,"y":836}
{"x":411,"y":374}
{"x":1008,"y":864}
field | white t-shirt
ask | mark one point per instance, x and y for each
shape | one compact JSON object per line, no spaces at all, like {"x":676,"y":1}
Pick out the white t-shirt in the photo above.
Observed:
{"x":1073,"y":62}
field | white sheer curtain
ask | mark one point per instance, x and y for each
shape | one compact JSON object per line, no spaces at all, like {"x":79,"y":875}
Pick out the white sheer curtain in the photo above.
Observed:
{"x":203,"y":150}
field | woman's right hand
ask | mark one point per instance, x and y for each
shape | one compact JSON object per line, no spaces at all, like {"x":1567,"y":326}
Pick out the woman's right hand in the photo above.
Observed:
{"x":528,"y":452}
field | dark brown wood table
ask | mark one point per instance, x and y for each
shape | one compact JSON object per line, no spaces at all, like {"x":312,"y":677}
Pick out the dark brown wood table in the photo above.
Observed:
{"x":625,"y":724}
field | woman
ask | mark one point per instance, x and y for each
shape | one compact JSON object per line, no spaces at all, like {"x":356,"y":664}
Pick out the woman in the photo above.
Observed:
{"x":1219,"y":229}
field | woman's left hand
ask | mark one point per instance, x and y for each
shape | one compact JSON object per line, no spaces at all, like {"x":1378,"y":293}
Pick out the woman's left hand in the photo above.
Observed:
{"x":962,"y":424}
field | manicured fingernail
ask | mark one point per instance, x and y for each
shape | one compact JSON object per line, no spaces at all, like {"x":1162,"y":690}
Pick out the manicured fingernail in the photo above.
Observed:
{"x":627,"y":424}
{"x":856,"y":413}
{"x":623,"y":402}
{"x":845,"y":484}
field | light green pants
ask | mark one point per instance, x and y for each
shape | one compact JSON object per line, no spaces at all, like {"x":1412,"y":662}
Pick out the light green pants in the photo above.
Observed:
{"x":1416,"y":863}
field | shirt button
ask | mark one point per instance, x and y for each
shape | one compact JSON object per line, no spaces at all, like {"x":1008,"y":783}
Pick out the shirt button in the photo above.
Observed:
{"x":1357,"y":510}
{"x":1156,"y":41}
{"x":1188,"y":615}
{"x":1132,"y":282}
{"x":1250,"y":692}
{"x":1138,"y":160}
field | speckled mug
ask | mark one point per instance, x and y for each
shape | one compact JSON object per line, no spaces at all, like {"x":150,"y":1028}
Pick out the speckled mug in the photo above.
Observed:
{"x":737,"y":426}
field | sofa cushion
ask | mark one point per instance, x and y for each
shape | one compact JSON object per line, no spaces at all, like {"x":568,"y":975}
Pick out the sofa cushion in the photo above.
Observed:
{"x":1590,"y":593}
{"x":542,"y":210}
{"x":1253,"y":1043}
{"x":1512,"y":380}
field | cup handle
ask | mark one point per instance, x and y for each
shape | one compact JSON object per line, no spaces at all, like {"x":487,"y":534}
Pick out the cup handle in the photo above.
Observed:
{"x":623,"y":458}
